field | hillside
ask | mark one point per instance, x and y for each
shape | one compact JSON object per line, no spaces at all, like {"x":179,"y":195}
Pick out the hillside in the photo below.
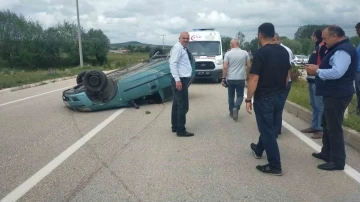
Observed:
{"x":132,"y":43}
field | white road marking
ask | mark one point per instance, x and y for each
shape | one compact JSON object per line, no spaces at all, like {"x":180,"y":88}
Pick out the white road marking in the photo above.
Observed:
{"x":348,"y":170}
{"x":7,"y":103}
{"x":21,"y":190}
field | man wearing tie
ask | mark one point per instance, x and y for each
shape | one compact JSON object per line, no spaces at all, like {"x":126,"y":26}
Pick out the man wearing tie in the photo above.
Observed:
{"x":180,"y":68}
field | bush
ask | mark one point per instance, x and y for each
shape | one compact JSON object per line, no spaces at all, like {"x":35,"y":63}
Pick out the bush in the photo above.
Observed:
{"x":294,"y":73}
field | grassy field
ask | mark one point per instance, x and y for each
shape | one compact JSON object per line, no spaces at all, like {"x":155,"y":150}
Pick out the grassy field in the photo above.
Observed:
{"x":13,"y":78}
{"x":299,"y":94}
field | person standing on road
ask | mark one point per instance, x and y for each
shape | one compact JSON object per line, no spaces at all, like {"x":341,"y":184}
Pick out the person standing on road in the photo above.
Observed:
{"x":357,"y":80}
{"x":335,"y":82}
{"x":278,"y":121}
{"x":268,"y":78}
{"x":234,"y":71}
{"x":180,"y":68}
{"x":316,"y":102}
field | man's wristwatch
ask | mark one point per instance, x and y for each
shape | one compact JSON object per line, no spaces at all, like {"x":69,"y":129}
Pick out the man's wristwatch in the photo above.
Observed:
{"x":248,"y":100}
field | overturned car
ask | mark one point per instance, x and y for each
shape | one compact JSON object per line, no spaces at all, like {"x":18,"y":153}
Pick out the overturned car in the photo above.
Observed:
{"x":146,"y":81}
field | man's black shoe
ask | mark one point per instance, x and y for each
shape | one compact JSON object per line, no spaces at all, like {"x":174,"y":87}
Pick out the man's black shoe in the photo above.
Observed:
{"x":184,"y":134}
{"x":254,"y":149}
{"x":269,"y":170}
{"x":330,"y":166}
{"x":173,"y":130}
{"x":320,"y":156}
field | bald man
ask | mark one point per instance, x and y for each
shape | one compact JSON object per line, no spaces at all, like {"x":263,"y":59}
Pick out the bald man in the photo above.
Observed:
{"x":180,"y":68}
{"x":234,"y":72}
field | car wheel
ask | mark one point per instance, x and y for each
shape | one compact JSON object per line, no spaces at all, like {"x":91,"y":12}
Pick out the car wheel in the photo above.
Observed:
{"x":95,"y":81}
{"x":153,"y":51}
{"x":80,"y":77}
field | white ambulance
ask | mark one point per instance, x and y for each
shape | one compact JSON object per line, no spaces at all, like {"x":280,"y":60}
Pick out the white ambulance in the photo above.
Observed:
{"x":206,"y":47}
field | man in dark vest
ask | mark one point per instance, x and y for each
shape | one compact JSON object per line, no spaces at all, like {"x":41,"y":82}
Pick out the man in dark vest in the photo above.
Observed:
{"x":335,"y":82}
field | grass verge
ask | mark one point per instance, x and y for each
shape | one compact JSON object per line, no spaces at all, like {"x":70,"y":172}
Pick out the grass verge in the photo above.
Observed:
{"x":299,"y":94}
{"x":17,"y":77}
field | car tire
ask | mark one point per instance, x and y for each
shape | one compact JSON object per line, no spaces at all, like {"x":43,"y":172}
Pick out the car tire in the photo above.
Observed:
{"x":153,"y":51}
{"x":95,"y":81}
{"x":80,"y":77}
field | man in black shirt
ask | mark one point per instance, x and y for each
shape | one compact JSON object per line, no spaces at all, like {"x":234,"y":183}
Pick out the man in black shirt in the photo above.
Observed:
{"x":267,"y":81}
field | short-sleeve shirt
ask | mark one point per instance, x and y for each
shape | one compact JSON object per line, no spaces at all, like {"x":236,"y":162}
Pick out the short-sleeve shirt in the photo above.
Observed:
{"x":271,"y":63}
{"x":236,"y":58}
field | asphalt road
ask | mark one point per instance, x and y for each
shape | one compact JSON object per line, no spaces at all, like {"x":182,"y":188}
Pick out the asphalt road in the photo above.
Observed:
{"x":134,"y":156}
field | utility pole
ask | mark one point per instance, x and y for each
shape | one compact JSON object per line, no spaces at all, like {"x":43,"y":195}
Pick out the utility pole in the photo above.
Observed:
{"x":163,"y":40}
{"x":79,"y":34}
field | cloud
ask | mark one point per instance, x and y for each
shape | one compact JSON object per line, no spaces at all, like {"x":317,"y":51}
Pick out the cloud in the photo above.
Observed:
{"x":148,"y":20}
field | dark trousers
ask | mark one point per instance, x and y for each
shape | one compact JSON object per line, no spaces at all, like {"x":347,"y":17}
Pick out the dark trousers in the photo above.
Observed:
{"x":238,"y":86}
{"x":278,"y":118}
{"x":357,"y":86}
{"x":266,"y":109}
{"x":333,"y":138}
{"x":180,"y":105}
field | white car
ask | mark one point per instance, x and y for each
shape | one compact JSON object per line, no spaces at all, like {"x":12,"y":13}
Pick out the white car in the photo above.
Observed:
{"x":300,"y":59}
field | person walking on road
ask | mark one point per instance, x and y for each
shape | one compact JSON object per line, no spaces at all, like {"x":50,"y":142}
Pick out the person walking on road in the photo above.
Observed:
{"x":316,"y":102}
{"x":268,"y":78}
{"x":180,"y":68}
{"x":236,"y":62}
{"x":278,"y":121}
{"x":335,"y":82}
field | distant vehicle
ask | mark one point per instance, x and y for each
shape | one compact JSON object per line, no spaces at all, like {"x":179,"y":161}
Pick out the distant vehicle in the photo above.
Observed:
{"x":206,"y":46}
{"x":145,"y":82}
{"x":300,"y":59}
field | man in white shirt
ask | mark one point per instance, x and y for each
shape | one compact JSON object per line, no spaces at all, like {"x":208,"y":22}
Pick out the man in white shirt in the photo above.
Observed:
{"x":180,"y":68}
{"x":278,"y":122}
{"x":234,"y":73}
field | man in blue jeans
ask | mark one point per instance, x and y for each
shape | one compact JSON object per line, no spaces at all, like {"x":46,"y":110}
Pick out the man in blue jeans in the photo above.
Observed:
{"x":268,"y":78}
{"x":234,"y":74}
{"x":316,"y":102}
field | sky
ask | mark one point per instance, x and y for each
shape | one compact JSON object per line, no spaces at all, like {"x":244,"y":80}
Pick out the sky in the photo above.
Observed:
{"x":147,"y":21}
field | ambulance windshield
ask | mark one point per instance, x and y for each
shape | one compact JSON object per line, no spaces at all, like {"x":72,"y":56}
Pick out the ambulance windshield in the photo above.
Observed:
{"x":205,"y":48}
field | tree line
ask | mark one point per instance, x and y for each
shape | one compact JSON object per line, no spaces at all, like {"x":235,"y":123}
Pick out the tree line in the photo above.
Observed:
{"x":26,"y":44}
{"x":301,"y":44}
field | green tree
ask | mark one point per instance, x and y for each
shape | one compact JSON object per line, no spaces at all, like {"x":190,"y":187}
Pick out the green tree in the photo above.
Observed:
{"x":306,"y":46}
{"x":53,"y":45}
{"x":355,"y":40}
{"x":294,"y":45}
{"x":97,"y":45}
{"x":11,"y":35}
{"x":306,"y":31}
{"x":225,"y":40}
{"x":69,"y":41}
{"x":253,"y":45}
{"x":241,"y":37}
